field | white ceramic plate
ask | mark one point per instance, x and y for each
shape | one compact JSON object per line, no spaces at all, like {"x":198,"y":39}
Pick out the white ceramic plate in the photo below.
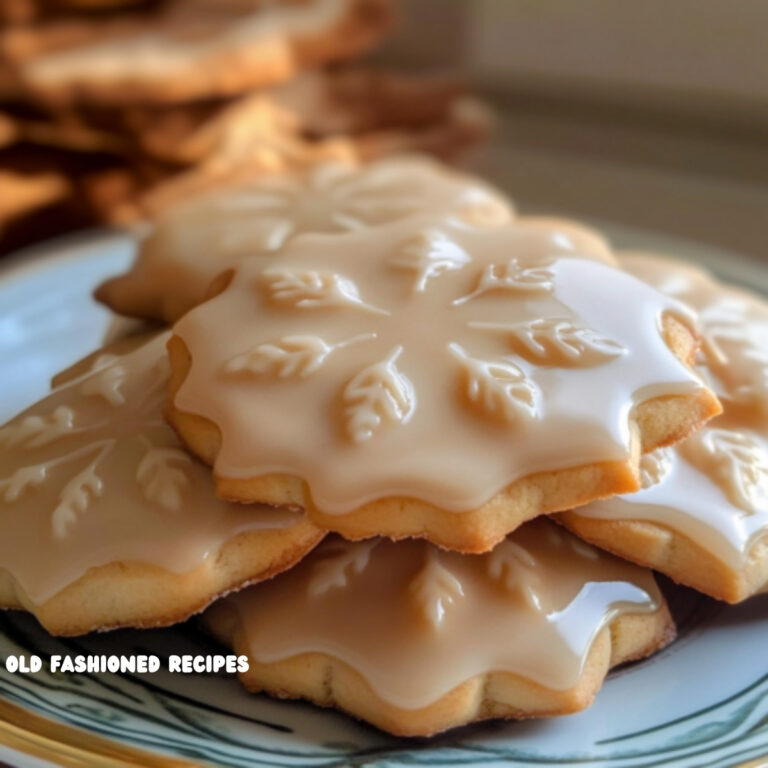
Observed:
{"x":701,"y":702}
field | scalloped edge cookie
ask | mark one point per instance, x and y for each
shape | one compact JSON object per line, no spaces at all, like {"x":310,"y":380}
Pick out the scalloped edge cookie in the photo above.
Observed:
{"x":655,"y":423}
{"x":675,"y":555}
{"x":328,"y":682}
{"x":141,"y":595}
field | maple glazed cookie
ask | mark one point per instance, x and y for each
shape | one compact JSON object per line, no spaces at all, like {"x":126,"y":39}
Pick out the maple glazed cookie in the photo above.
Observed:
{"x":702,"y":515}
{"x":188,"y":49}
{"x":416,"y":640}
{"x":198,"y":239}
{"x":107,"y":520}
{"x":434,"y":379}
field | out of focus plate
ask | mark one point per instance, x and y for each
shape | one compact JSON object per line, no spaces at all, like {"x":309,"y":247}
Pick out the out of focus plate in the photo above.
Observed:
{"x":701,"y":702}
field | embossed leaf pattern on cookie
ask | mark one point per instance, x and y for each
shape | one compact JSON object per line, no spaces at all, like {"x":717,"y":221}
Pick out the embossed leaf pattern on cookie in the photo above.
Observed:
{"x":500,"y":384}
{"x":22,"y":480}
{"x":736,"y":461}
{"x":298,"y":356}
{"x":290,"y":356}
{"x":107,"y":383}
{"x":498,"y":388}
{"x":435,"y":589}
{"x":161,"y":477}
{"x":37,"y":431}
{"x":655,"y":466}
{"x":516,"y":568}
{"x":72,"y":450}
{"x":311,"y":289}
{"x":103,"y":360}
{"x":378,"y":394}
{"x":512,"y":277}
{"x":428,"y":255}
{"x":77,"y":495}
{"x":343,"y":560}
{"x":729,"y":332}
{"x":557,"y":341}
{"x":336,"y":198}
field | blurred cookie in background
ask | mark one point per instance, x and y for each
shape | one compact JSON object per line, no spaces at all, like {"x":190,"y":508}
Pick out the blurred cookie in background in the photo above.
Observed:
{"x":20,"y":12}
{"x":266,"y":132}
{"x":37,"y":196}
{"x":139,"y":103}
{"x":182,"y":50}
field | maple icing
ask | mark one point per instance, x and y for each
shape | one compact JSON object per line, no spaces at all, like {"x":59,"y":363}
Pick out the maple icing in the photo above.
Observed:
{"x":93,"y":475}
{"x":434,"y":360}
{"x":416,"y":621}
{"x":713,"y":488}
{"x":200,"y":238}
{"x":734,"y":325}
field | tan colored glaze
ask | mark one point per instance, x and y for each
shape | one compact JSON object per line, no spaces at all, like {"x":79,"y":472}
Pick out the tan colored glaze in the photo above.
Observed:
{"x":431,"y":360}
{"x":713,"y":488}
{"x":92,"y":475}
{"x":200,"y":238}
{"x":416,"y":621}
{"x":719,"y":500}
{"x":734,"y":325}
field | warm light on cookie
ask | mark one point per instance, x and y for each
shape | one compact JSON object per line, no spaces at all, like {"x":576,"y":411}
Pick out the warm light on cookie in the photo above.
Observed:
{"x":497,"y":373}
{"x":408,"y":635}
{"x":702,"y":515}
{"x":101,"y":499}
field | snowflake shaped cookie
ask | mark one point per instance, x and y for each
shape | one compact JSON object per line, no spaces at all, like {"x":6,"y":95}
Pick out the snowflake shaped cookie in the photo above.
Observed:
{"x":433,"y":360}
{"x":424,"y":627}
{"x":200,"y":238}
{"x":381,"y":393}
{"x":92,"y":474}
{"x":340,"y":197}
{"x":704,"y":502}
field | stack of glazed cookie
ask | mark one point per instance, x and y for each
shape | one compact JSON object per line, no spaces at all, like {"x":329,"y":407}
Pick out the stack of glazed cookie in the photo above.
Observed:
{"x":384,"y":399}
{"x":112,"y":109}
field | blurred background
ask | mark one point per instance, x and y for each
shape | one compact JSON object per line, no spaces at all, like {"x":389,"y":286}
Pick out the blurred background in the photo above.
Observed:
{"x":651,"y":115}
